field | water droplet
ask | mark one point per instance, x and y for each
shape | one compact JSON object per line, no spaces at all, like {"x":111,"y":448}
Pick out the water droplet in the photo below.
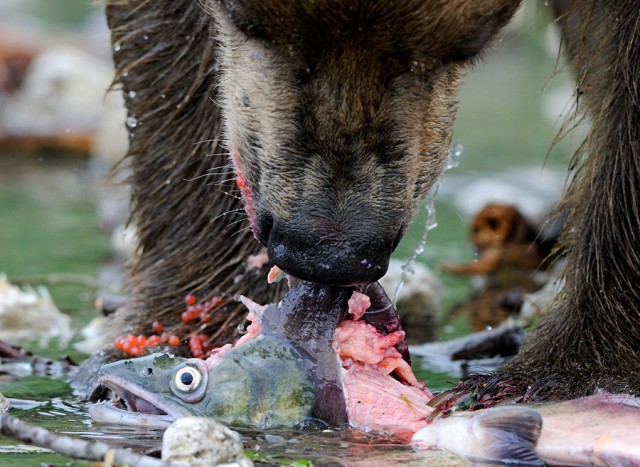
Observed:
{"x":132,"y":94}
{"x":132,"y":122}
{"x":430,"y":224}
{"x":117,"y":46}
{"x":145,"y":37}
{"x":125,"y":74}
{"x":455,"y":151}
{"x":163,"y":96}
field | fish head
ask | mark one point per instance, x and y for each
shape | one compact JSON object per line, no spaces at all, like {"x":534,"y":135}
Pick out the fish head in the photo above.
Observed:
{"x":153,"y":390}
{"x":263,"y":383}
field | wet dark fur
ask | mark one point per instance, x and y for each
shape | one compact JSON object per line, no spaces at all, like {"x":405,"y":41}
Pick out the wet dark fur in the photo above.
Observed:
{"x":193,"y":235}
{"x":591,"y":338}
{"x":338,"y":115}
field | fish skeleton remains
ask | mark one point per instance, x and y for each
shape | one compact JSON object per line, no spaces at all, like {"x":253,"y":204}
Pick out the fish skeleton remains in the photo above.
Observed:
{"x":348,"y":366}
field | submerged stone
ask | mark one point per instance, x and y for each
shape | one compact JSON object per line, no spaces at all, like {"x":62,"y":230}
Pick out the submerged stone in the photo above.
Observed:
{"x":197,"y":441}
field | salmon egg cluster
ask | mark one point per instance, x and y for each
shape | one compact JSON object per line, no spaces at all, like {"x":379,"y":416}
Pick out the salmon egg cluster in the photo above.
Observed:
{"x":199,"y":345}
{"x":200,"y":310}
{"x":137,"y":345}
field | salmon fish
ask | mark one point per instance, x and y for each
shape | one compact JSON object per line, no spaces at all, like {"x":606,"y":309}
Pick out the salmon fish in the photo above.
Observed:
{"x":338,"y":355}
{"x":324,"y":353}
{"x":602,"y":429}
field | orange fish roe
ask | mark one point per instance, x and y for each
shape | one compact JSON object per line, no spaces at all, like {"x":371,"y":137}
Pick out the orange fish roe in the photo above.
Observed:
{"x":200,"y":310}
{"x":153,"y":341}
{"x":199,"y":345}
{"x":137,"y":345}
{"x":133,"y":345}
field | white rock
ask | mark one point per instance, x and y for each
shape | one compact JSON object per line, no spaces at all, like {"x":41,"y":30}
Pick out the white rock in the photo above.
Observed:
{"x":4,"y":404}
{"x":198,"y":441}
{"x":64,"y":90}
{"x":532,"y":191}
{"x":27,"y":314}
{"x":124,"y":241}
{"x":420,"y":295}
{"x":96,"y":335}
{"x":112,"y":138}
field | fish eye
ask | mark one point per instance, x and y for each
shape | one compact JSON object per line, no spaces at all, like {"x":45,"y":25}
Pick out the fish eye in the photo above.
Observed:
{"x":188,"y":379}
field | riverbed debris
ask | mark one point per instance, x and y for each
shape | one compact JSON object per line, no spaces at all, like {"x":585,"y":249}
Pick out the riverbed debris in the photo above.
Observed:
{"x":74,"y":447}
{"x":28,"y":313}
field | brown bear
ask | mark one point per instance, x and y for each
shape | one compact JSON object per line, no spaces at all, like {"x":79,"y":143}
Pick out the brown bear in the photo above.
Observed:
{"x":334,"y":118}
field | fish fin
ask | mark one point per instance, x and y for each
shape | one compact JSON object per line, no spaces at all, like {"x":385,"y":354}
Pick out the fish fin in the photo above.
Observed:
{"x":524,"y":422}
{"x":514,"y":432}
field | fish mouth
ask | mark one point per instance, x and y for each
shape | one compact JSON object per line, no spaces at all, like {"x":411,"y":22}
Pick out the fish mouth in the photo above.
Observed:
{"x":129,"y":404}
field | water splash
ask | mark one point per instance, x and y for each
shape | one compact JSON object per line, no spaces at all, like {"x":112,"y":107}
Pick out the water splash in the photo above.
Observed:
{"x":453,"y":160}
{"x":132,"y":122}
{"x":455,"y":151}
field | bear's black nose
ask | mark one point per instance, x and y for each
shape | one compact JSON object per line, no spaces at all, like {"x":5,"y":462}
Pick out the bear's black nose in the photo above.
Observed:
{"x":316,"y":250}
